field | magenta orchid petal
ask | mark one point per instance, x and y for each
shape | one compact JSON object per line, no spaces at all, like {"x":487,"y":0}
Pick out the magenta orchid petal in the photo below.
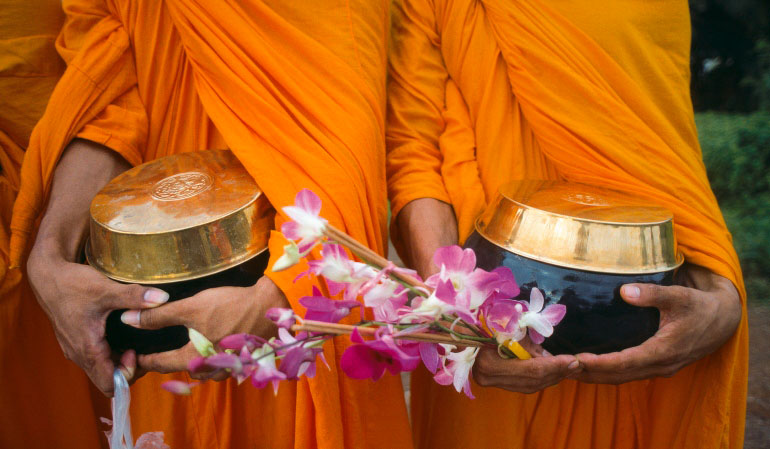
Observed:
{"x":291,"y":229}
{"x":443,"y":377}
{"x":296,"y":361}
{"x":536,"y":337}
{"x":467,"y":390}
{"x":335,"y":287}
{"x":197,"y":364}
{"x":507,"y":286}
{"x":224,"y":360}
{"x":455,"y":259}
{"x":307,"y":200}
{"x":362,"y":362}
{"x":446,"y":292}
{"x":282,"y":317}
{"x":369,"y":359}
{"x":429,"y":356}
{"x":554,"y":313}
{"x":320,"y":308}
{"x":178,"y":387}
{"x":238,"y":341}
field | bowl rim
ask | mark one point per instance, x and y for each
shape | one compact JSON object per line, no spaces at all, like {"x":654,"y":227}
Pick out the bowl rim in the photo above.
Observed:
{"x":679,"y":258}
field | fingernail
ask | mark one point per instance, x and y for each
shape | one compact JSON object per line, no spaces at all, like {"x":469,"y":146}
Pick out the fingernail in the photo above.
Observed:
{"x":573,"y":365}
{"x":154,"y":296}
{"x":130,"y":317}
{"x":631,"y":291}
{"x":128,"y":373}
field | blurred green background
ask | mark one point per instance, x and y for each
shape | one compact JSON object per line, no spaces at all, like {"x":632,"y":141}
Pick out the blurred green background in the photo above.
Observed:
{"x":731,"y":94}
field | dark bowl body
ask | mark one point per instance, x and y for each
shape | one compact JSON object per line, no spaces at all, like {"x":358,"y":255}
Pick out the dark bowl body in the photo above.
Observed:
{"x":597,"y":320}
{"x":123,"y":337}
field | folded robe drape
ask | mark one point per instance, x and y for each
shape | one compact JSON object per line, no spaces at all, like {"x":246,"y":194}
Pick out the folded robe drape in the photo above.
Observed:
{"x":297,"y":93}
{"x":485,"y":92}
{"x":39,"y":388}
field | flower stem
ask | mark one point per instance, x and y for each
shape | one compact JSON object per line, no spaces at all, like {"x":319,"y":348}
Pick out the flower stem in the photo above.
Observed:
{"x":440,"y":326}
{"x":370,"y":256}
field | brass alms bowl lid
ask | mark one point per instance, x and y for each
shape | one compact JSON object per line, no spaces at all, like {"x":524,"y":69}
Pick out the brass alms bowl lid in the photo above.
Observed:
{"x":178,"y":218}
{"x":581,"y":226}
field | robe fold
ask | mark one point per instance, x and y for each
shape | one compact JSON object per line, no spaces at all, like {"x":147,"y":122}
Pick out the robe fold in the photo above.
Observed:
{"x":39,"y":388}
{"x":485,"y":92}
{"x":298,"y":94}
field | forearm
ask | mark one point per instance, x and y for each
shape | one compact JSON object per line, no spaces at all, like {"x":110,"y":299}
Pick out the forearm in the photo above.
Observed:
{"x":85,"y":167}
{"x":425,"y":225}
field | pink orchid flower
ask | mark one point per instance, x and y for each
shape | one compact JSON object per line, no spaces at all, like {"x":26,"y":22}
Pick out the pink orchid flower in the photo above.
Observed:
{"x":443,"y":301}
{"x":321,"y":308}
{"x":539,"y":321}
{"x":236,"y":342}
{"x":298,"y":359}
{"x":178,"y":387}
{"x":457,"y":371}
{"x":266,"y":372}
{"x":385,"y":299}
{"x":340,"y":271}
{"x":283,"y":318}
{"x":473,"y":285}
{"x":369,"y":359}
{"x":305,"y":225}
{"x":151,"y":440}
{"x":502,"y":317}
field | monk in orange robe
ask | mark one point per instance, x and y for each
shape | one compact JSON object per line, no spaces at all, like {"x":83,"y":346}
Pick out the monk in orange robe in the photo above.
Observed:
{"x":39,"y":388}
{"x":297,"y":92}
{"x":485,"y":92}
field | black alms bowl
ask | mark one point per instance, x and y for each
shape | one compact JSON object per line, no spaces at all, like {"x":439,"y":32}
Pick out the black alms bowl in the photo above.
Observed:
{"x":122,"y":337}
{"x":597,"y":319}
{"x":579,"y":244}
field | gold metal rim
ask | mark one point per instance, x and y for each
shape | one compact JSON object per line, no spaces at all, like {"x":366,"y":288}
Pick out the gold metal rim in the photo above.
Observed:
{"x":549,"y":261}
{"x":182,"y":278}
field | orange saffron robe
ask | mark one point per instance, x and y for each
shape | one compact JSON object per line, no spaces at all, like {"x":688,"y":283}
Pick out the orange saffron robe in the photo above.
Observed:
{"x":45,"y":400}
{"x":485,"y":92}
{"x":298,"y":94}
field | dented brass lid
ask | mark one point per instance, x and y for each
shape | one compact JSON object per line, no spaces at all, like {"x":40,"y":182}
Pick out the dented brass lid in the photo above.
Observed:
{"x":581,"y":226}
{"x":178,"y":218}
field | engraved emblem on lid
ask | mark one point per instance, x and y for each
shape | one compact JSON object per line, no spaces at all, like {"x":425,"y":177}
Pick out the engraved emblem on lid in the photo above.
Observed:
{"x":181,"y":186}
{"x":585,"y":199}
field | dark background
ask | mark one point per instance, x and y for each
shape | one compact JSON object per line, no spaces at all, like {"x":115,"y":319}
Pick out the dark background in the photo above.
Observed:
{"x":731,"y":93}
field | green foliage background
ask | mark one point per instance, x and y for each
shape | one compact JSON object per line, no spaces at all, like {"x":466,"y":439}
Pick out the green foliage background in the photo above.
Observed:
{"x":736,"y":151}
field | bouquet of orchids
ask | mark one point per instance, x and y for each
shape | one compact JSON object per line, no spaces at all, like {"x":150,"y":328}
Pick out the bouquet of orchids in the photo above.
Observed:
{"x":442,"y":322}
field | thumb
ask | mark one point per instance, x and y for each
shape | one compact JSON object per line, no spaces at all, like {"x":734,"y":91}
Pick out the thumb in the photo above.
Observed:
{"x":651,"y":295}
{"x":134,"y":296}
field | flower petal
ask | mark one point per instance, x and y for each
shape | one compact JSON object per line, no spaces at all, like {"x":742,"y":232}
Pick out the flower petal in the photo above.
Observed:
{"x":307,"y":200}
{"x":554,"y":313}
{"x":536,"y":300}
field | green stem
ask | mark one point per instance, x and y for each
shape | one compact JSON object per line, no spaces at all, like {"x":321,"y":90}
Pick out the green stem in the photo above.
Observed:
{"x":440,"y":326}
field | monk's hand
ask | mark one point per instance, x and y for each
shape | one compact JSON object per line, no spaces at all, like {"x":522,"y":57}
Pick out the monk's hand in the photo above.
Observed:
{"x":77,"y":300}
{"x":216,"y":313}
{"x":696,"y":318}
{"x":523,"y":376}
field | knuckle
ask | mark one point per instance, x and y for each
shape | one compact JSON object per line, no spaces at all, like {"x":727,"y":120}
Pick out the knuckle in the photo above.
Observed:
{"x":481,"y":379}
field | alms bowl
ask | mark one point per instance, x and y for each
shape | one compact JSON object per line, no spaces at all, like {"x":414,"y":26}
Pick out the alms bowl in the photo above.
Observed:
{"x":182,"y":223}
{"x":579,"y":244}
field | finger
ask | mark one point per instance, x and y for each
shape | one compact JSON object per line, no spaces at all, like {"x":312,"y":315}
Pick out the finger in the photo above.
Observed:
{"x":101,"y":375}
{"x":653,"y":354}
{"x":134,"y":296}
{"x":128,"y":364}
{"x":651,"y":295}
{"x":491,"y":365}
{"x":169,"y":361}
{"x":172,"y":314}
